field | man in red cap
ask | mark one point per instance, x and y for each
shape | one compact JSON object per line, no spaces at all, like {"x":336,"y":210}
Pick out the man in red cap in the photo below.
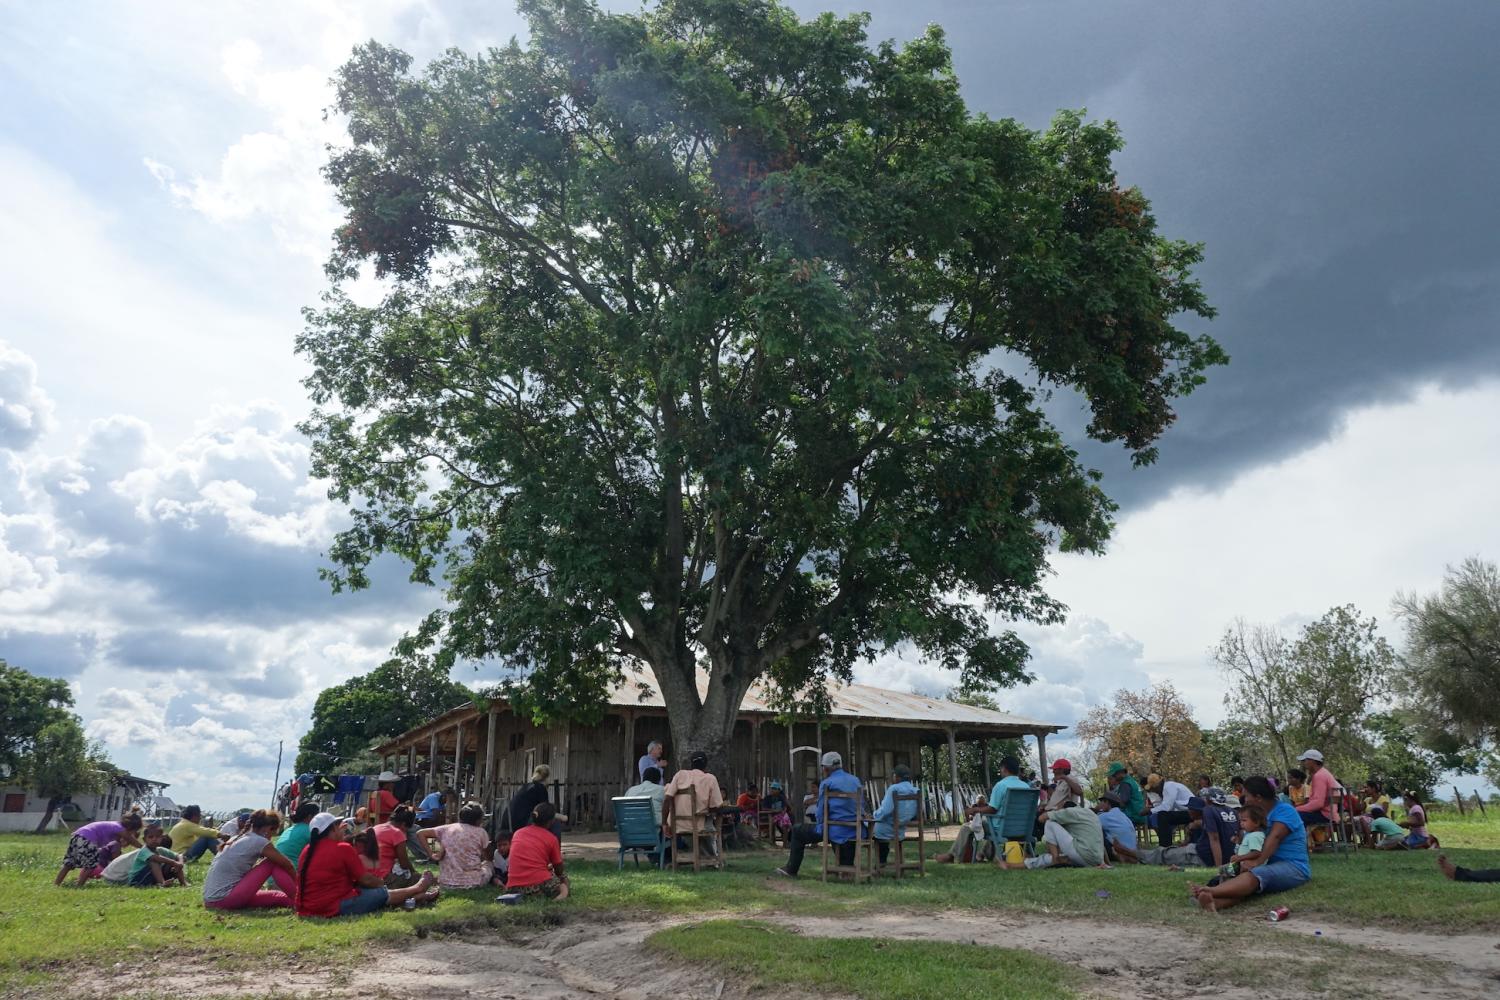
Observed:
{"x":1067,"y":790}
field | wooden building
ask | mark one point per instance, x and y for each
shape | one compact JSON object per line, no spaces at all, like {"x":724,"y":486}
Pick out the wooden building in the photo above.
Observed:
{"x":487,"y":755}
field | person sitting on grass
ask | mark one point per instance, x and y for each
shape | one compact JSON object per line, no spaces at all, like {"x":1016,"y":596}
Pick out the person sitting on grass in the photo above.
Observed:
{"x":1383,"y":830}
{"x":195,"y":839}
{"x":465,"y":861}
{"x":1213,"y":826}
{"x":395,"y":862}
{"x":87,"y":844}
{"x":117,"y":872}
{"x":500,"y":860}
{"x":841,"y":814}
{"x":964,"y":849}
{"x":333,"y":882}
{"x":154,"y":863}
{"x":235,"y":878}
{"x":296,"y":835}
{"x":1116,"y":826}
{"x":368,"y":849}
{"x":886,"y":817}
{"x":1283,"y":862}
{"x":536,"y":863}
{"x":1073,"y":837}
{"x":1417,"y":838}
{"x":1252,"y":836}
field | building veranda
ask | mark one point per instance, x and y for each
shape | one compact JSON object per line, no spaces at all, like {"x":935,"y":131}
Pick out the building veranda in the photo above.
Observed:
{"x":487,"y":754}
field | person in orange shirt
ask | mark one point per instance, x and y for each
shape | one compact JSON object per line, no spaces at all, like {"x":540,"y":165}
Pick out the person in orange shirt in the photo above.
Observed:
{"x":383,"y":801}
{"x":749,"y":804}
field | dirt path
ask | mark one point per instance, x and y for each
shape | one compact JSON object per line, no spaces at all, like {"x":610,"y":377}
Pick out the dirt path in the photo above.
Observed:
{"x":588,"y":958}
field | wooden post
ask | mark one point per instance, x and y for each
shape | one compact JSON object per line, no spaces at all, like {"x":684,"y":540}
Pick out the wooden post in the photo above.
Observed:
{"x":1041,"y":757}
{"x":458,"y":770}
{"x":984,"y":755}
{"x":411,"y":759}
{"x":489,"y":759}
{"x":851,"y":763}
{"x":755,"y":768}
{"x":432,"y":757}
{"x":958,"y":803}
{"x":793,"y":786}
{"x":1458,"y":797}
{"x":627,"y":751}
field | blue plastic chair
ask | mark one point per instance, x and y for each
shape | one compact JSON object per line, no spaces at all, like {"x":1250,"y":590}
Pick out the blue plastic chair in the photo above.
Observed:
{"x":1019,"y":823}
{"x":635,"y":822}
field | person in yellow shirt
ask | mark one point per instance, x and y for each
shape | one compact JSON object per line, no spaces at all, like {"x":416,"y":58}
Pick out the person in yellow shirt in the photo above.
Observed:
{"x":192,"y":838}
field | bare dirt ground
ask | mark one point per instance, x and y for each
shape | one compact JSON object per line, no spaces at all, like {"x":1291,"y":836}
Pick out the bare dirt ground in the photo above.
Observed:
{"x":588,"y":958}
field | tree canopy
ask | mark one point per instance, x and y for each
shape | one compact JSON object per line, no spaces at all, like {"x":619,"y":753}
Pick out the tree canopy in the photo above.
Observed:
{"x":1312,"y":691}
{"x":28,"y":704}
{"x":719,"y":341}
{"x":1450,"y":674}
{"x":1149,"y":731}
{"x":394,"y":697}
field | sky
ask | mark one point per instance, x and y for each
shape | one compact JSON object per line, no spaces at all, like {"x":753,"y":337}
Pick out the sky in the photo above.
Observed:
{"x":166,"y":223}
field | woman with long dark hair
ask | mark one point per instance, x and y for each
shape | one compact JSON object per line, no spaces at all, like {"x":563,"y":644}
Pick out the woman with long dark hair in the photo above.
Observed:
{"x":333,"y":882}
{"x":1282,"y":862}
{"x":395,"y":862}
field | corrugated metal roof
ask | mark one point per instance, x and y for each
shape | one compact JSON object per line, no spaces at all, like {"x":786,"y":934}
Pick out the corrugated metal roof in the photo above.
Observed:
{"x":858,"y":701}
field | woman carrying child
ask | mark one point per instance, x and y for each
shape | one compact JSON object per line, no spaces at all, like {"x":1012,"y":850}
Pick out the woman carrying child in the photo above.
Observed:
{"x":234,"y":880}
{"x":1280,"y":864}
{"x":86,"y":848}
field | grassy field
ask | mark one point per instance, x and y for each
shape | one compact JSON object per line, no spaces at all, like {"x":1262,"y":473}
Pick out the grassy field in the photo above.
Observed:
{"x":43,"y":927}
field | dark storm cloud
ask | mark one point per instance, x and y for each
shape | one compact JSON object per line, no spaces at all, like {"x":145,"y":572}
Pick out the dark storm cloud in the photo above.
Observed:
{"x":1338,"y":159}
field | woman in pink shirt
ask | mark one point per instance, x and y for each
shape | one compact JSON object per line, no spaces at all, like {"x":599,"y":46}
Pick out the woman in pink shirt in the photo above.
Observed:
{"x":465,"y":862}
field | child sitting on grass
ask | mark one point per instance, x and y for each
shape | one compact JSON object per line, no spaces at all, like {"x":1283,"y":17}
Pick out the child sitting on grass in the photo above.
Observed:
{"x":1383,"y":829}
{"x":501,"y":860}
{"x":154,"y":864}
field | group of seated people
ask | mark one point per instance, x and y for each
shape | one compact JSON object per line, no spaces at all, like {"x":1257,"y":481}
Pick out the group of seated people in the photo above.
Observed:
{"x":323,"y":865}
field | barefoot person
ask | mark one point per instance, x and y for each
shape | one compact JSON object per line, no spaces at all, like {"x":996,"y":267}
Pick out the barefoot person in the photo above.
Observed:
{"x":1285,"y":853}
{"x":1460,"y":874}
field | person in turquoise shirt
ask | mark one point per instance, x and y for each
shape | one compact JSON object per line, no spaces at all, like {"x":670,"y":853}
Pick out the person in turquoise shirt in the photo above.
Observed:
{"x":296,"y":836}
{"x":993,"y":810}
{"x":1010,"y":778}
{"x":1122,"y":782}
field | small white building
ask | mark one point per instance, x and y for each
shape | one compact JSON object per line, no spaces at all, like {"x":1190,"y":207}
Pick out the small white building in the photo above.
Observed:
{"x":21,"y":809}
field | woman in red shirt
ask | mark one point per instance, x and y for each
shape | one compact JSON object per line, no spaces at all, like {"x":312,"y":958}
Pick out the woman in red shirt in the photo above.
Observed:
{"x":333,"y":882}
{"x":536,"y":864}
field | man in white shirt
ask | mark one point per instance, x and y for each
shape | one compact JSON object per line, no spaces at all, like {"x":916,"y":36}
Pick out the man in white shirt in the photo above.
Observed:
{"x":1172,"y":811}
{"x":650,"y":788}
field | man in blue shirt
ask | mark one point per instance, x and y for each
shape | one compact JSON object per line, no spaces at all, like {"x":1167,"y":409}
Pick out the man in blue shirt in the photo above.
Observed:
{"x":993,"y":810}
{"x":430,"y":810}
{"x":835,"y":779}
{"x":886,"y":817}
{"x":1119,"y":832}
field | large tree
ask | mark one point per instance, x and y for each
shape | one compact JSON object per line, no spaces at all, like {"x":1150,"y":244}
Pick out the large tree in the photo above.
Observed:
{"x":1450,"y":677}
{"x":719,"y":341}
{"x":1152,"y":730}
{"x":1312,"y":690}
{"x":28,"y":704}
{"x":394,"y":697}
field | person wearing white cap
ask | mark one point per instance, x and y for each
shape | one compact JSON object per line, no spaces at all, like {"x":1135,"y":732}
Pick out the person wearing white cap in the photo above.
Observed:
{"x":1323,"y":790}
{"x":333,"y":882}
{"x":835,"y":779}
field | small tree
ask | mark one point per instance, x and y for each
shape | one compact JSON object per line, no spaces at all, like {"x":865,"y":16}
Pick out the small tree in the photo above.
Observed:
{"x":1450,"y":678}
{"x":1150,"y":730}
{"x":1314,"y":690}
{"x":64,"y":763}
{"x":1236,"y":747}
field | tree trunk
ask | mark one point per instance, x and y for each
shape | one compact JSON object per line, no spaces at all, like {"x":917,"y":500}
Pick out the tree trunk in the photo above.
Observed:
{"x":703,"y":724}
{"x":47,"y":816}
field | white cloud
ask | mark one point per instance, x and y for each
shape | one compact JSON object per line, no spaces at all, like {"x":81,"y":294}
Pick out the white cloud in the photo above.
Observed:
{"x":25,"y":410}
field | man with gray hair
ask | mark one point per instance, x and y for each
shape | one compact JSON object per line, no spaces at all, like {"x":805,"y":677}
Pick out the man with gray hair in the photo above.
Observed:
{"x":652,"y":758}
{"x":835,"y":779}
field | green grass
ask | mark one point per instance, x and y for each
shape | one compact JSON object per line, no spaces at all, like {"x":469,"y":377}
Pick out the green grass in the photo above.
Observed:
{"x":865,"y":967}
{"x":42,"y":928}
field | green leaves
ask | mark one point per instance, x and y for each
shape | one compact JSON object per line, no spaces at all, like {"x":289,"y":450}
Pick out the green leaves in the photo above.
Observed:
{"x":711,"y":348}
